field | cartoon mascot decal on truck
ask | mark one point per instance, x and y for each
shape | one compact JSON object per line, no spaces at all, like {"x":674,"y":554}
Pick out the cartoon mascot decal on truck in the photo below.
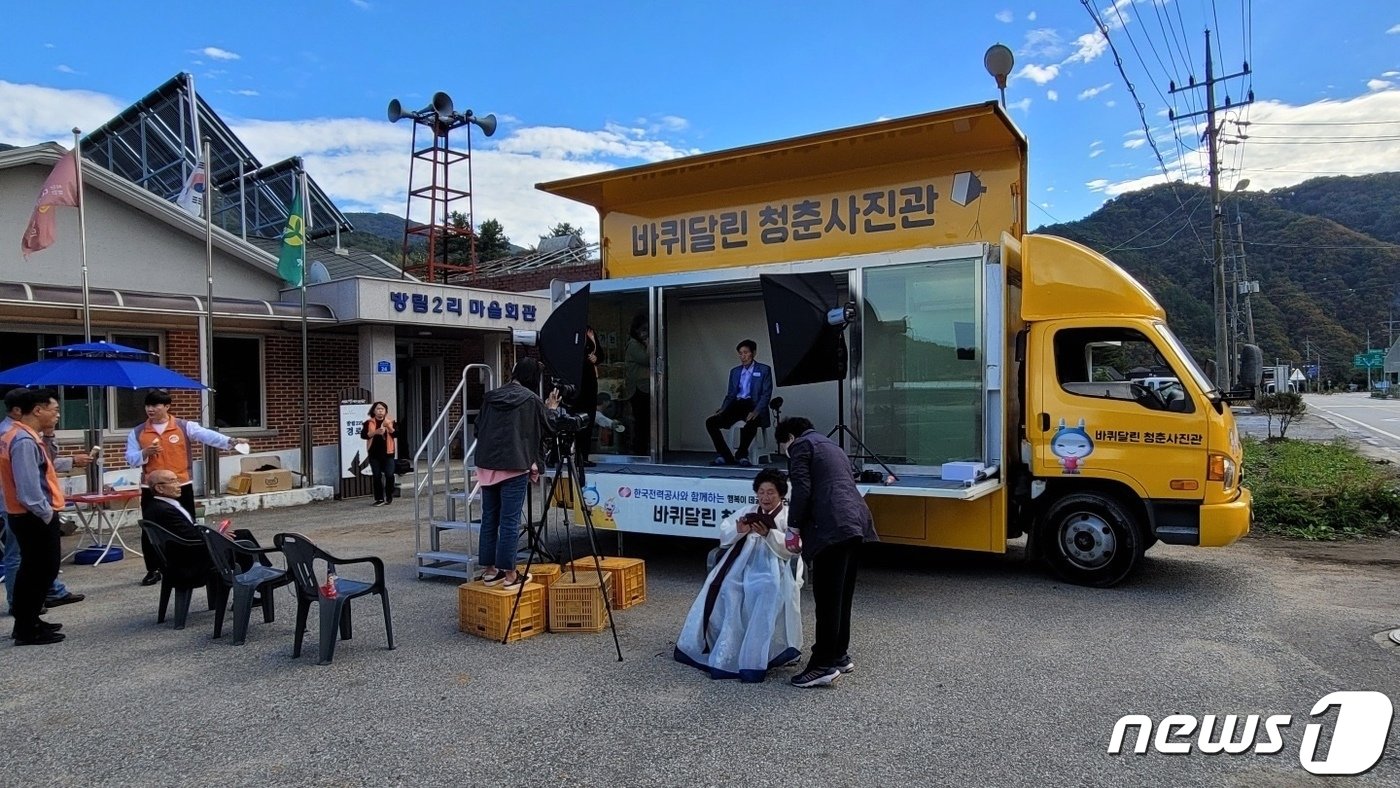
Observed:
{"x":1071,"y":445}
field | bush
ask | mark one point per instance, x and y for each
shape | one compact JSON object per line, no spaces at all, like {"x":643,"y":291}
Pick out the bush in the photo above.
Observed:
{"x":1286,"y":405}
{"x":1320,"y":491}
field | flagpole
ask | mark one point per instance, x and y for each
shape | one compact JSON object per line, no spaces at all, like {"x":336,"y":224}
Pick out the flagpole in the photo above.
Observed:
{"x":94,"y":429}
{"x":211,"y":455}
{"x":306,"y":444}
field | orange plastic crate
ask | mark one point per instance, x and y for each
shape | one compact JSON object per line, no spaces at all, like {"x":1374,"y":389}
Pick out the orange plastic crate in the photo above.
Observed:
{"x":575,"y":604}
{"x":544,"y":574}
{"x":484,"y":611}
{"x":629,"y":578}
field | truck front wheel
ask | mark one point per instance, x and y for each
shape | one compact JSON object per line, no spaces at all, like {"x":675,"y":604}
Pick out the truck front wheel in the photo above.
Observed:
{"x":1091,"y":539}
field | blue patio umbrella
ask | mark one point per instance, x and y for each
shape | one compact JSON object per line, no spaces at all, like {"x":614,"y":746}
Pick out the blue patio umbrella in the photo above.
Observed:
{"x":97,"y":364}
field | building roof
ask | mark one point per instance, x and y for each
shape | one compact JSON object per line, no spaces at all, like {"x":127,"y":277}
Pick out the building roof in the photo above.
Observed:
{"x":341,"y":264}
{"x":153,"y":143}
{"x":95,"y":177}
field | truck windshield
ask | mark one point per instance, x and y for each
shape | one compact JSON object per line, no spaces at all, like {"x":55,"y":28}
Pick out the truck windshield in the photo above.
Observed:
{"x":1192,"y":368}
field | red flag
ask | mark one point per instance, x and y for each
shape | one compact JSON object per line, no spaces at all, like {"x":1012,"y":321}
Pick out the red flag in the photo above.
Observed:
{"x":61,"y":188}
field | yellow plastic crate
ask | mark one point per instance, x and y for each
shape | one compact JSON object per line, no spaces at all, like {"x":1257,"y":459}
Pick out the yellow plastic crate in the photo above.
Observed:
{"x":484,"y":611}
{"x":629,"y":578}
{"x":575,"y":604}
{"x":544,"y":574}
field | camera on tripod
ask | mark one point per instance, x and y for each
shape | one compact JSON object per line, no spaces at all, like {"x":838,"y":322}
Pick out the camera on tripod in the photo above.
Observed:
{"x":567,"y":423}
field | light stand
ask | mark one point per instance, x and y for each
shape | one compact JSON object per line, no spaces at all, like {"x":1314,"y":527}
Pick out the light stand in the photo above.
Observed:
{"x":840,"y":317}
{"x":563,"y":447}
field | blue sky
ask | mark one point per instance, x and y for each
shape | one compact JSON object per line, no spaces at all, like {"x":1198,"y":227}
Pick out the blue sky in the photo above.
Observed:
{"x":581,"y":87}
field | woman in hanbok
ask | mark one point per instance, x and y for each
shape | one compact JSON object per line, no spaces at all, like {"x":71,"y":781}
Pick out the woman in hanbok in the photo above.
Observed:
{"x":747,"y":617}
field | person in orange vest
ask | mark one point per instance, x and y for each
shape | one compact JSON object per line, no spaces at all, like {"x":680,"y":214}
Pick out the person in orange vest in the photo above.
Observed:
{"x":163,"y":442}
{"x":378,"y":433}
{"x":33,"y":498}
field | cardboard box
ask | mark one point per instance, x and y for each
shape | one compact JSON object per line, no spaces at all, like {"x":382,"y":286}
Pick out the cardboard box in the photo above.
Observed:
{"x":240,"y":484}
{"x":264,"y":481}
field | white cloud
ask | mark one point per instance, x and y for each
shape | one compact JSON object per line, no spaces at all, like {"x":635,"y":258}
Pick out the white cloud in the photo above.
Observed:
{"x":1023,"y":105}
{"x":1049,"y":188}
{"x":64,"y":69}
{"x":1096,"y":185}
{"x":1394,"y":30}
{"x":1273,"y":160}
{"x":1110,"y":103}
{"x":1135,"y":143}
{"x":1042,"y":42}
{"x":219,"y":54}
{"x":1091,"y":92}
{"x":1391,"y":74}
{"x":1053,"y":95}
{"x":48,"y":46}
{"x":1095,"y":153}
{"x":1038,"y":74}
{"x":1378,"y":84}
{"x":363,"y":163}
{"x":244,"y":92}
{"x":30,"y":114}
{"x":1030,"y":17}
{"x":1005,"y":16}
{"x":1088,"y":47}
{"x":360,"y":3}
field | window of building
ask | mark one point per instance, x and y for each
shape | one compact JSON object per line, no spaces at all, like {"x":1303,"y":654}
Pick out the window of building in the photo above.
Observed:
{"x":123,"y":407}
{"x":238,"y":382}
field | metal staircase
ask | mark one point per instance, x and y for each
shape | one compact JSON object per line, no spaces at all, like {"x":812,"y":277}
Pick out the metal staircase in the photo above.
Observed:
{"x":442,"y":499}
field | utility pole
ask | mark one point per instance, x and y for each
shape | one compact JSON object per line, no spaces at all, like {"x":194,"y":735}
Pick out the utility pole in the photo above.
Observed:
{"x":1247,"y":285}
{"x":1223,"y":362}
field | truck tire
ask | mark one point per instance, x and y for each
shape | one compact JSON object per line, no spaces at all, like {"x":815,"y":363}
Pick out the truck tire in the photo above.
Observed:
{"x":1091,"y":539}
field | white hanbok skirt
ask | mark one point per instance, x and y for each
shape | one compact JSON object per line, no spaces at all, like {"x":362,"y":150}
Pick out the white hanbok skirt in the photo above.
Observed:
{"x":747,"y":617}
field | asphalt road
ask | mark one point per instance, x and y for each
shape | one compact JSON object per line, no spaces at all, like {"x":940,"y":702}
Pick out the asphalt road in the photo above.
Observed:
{"x":971,"y":670}
{"x":1374,"y":422}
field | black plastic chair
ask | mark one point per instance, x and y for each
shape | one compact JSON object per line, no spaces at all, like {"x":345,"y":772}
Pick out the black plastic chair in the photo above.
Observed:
{"x":301,"y":556}
{"x":231,"y":578}
{"x":184,"y":565}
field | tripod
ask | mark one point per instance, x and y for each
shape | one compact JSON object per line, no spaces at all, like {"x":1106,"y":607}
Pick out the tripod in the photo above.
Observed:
{"x":565,"y":469}
{"x":841,"y":431}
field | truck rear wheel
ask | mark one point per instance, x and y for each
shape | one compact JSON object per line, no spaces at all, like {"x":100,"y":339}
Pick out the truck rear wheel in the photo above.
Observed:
{"x":1091,"y":539}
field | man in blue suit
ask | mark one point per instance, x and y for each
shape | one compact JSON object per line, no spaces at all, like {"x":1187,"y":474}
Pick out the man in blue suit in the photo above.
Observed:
{"x":750,"y":388}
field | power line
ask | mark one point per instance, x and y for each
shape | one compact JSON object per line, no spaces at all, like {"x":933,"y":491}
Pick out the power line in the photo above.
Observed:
{"x":1325,"y":123}
{"x":1141,"y":109}
{"x":1197,"y":200}
{"x":1378,"y":246}
{"x":1047,"y":213}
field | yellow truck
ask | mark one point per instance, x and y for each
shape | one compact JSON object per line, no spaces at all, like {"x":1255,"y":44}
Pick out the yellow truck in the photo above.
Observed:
{"x":985,"y":385}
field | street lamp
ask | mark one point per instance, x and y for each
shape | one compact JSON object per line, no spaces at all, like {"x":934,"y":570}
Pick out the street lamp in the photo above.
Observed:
{"x":998,"y":62}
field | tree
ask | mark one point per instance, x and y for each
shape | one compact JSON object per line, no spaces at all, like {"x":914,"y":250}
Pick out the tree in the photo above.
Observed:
{"x":491,"y":241}
{"x":564,"y":228}
{"x":1286,"y":405}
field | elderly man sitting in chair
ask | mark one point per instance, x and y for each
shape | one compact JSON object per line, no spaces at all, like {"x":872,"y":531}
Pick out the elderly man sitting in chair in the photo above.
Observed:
{"x":167,"y":512}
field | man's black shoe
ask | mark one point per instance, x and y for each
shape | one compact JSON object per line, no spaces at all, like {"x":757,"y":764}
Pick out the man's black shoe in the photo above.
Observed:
{"x":40,"y":638}
{"x":152,"y":577}
{"x":42,"y":611}
{"x":67,"y":599}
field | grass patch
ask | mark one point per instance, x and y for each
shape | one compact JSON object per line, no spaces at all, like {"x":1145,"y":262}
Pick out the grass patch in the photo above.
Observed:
{"x":1320,"y":491}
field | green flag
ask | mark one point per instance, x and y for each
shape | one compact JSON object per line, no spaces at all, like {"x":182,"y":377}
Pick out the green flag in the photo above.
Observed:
{"x":293,"y":259}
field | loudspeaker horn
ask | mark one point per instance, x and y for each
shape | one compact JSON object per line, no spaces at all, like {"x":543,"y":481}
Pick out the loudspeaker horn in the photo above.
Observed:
{"x":487,"y":124}
{"x":442,"y":105}
{"x":396,"y":112}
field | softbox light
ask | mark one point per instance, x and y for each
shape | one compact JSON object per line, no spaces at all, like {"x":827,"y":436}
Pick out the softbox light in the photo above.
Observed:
{"x":806,"y":348}
{"x":561,"y":339}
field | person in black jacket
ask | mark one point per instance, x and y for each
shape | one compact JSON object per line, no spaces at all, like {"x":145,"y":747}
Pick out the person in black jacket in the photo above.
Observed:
{"x":166,"y":511}
{"x":830,"y":514}
{"x":510,"y":433}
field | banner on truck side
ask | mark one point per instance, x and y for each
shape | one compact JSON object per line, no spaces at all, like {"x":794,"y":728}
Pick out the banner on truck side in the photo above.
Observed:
{"x":668,"y":505}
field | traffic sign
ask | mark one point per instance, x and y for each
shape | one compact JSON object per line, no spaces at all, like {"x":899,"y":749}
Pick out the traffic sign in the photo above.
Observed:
{"x":1310,"y":370}
{"x":1371,"y":359}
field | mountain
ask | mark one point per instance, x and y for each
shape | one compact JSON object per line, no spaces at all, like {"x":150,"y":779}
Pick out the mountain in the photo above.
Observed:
{"x":382,"y":225}
{"x":1324,"y":253}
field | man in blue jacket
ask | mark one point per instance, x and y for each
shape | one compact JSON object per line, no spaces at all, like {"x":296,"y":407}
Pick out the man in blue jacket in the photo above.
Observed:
{"x":830,"y":514}
{"x":750,"y":389}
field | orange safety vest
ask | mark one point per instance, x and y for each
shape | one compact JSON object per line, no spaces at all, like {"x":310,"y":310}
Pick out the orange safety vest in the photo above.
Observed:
{"x":388,"y":439}
{"x":175,"y":454}
{"x":7,"y":473}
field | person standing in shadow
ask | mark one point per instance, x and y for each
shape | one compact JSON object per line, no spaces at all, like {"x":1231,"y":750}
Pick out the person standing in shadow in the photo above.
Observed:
{"x":637,"y":384}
